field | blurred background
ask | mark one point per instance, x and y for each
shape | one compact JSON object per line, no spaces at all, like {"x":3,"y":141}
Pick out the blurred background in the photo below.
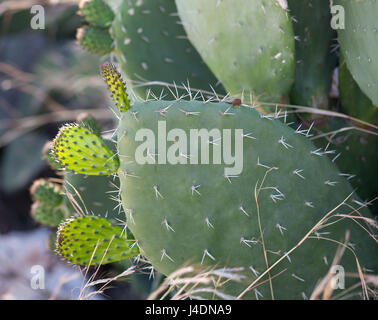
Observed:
{"x":46,"y":79}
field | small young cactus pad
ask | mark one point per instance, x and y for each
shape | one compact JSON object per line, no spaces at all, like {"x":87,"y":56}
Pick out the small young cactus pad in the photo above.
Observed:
{"x":80,"y":150}
{"x":95,"y":40}
{"x":116,"y":86}
{"x":96,"y":12}
{"x":93,"y":240}
{"x":49,"y":193}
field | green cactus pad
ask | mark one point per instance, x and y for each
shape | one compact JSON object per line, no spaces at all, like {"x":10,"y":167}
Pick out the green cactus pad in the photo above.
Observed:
{"x":48,"y":156}
{"x":96,"y":12}
{"x":92,"y":240}
{"x":81,"y":151}
{"x":116,"y":86}
{"x":199,"y":214}
{"x":151,"y":45}
{"x":359,"y":43}
{"x":49,"y":216}
{"x":248,"y":46}
{"x":95,"y":40}
{"x":354,"y":102}
{"x":313,"y":53}
{"x":49,"y":193}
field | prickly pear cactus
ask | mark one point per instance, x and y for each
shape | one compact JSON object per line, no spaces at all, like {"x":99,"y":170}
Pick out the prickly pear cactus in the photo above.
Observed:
{"x":313,"y":52}
{"x":248,"y":46}
{"x":221,"y":186}
{"x":359,"y":43}
{"x":151,"y":45}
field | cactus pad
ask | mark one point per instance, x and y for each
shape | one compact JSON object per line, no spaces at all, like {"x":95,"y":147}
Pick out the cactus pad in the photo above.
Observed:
{"x":116,"y":86}
{"x":80,"y":150}
{"x":248,"y":46}
{"x":47,"y":192}
{"x":92,"y":240}
{"x":198,"y":213}
{"x":95,"y":40}
{"x":359,"y":43}
{"x":96,"y":12}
